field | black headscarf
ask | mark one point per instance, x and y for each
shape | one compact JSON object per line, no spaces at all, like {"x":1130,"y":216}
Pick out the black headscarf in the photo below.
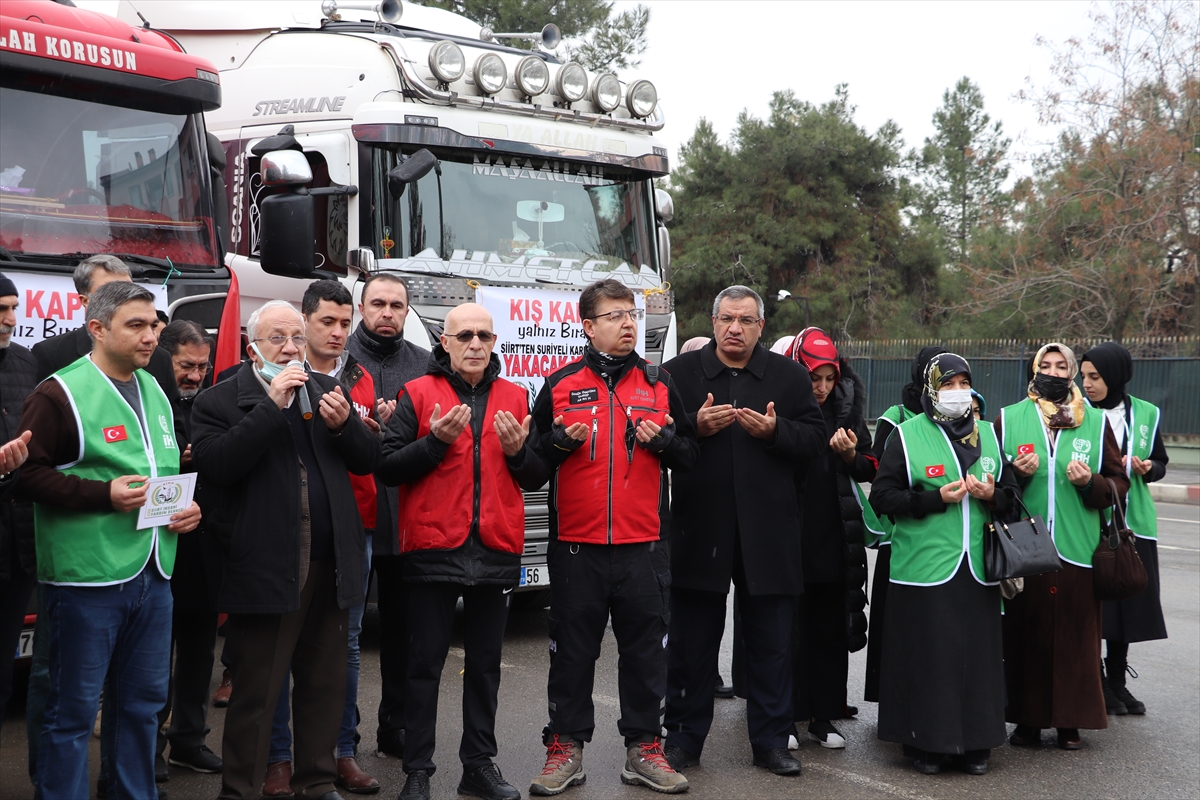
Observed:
{"x":963,"y":431}
{"x":911,"y":393}
{"x":1115,"y":366}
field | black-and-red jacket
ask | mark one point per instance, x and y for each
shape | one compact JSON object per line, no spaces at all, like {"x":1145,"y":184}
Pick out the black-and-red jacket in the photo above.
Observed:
{"x":611,"y":489}
{"x":361,"y":388}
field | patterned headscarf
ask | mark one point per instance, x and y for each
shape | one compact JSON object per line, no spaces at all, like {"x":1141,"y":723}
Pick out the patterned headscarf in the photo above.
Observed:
{"x":1065,"y":410}
{"x":942,"y":367}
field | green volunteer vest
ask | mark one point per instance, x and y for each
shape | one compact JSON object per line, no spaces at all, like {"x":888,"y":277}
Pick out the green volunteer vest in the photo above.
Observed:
{"x":928,"y":551}
{"x":1074,"y":527}
{"x":1140,"y":513}
{"x":897,"y":415}
{"x":98,"y":548}
{"x":881,"y":527}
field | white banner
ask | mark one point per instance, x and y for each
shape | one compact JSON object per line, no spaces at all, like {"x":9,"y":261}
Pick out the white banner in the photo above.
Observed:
{"x":538,"y":331}
{"x":48,"y":305}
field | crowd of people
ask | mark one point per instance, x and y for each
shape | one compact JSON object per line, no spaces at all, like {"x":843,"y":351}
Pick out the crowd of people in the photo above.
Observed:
{"x":333,"y":454}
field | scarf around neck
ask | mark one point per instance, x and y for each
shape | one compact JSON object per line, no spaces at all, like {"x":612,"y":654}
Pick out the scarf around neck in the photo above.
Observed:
{"x":1062,"y":412}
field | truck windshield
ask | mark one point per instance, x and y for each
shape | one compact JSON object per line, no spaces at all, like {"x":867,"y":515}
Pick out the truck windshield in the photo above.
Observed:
{"x":78,"y":177}
{"x":564,"y":221}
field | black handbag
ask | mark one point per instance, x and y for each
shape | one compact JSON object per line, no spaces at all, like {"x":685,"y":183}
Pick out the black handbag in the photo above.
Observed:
{"x":1117,"y":570}
{"x":1018,"y":549}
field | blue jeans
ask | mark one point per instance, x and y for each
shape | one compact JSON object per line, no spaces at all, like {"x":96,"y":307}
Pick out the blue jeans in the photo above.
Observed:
{"x":281,"y":734}
{"x":128,"y":626}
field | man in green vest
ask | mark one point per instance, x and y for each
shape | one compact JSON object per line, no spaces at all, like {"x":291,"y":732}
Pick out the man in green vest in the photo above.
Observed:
{"x":101,"y":428}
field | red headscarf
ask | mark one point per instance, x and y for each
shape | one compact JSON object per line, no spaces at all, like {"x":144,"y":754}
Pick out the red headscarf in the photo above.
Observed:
{"x":814,"y":348}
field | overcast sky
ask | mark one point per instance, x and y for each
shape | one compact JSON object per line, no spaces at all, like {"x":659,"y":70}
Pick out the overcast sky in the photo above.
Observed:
{"x":714,"y":58}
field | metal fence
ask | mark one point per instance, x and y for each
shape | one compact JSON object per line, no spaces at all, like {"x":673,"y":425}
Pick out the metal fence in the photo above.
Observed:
{"x":1166,"y":372}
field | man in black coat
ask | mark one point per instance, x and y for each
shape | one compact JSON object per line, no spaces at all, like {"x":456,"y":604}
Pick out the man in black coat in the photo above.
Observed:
{"x":296,"y":546}
{"x":735,"y":516}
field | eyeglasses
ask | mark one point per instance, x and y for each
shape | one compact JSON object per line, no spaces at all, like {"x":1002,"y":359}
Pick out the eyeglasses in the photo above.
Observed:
{"x":280,"y":341}
{"x":465,"y":337}
{"x":745,"y":322}
{"x":188,"y":367}
{"x":619,"y":315}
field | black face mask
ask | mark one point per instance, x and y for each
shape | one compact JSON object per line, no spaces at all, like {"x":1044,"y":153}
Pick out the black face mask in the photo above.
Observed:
{"x":1052,"y":387}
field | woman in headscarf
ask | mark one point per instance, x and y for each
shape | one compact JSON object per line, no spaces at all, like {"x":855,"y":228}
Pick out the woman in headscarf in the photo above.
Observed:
{"x":830,"y":622}
{"x":910,"y":407}
{"x":1070,"y":469}
{"x":941,"y":691}
{"x":1106,"y":368}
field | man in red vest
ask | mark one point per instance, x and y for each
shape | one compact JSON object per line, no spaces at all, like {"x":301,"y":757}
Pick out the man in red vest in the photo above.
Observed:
{"x":456,"y":443}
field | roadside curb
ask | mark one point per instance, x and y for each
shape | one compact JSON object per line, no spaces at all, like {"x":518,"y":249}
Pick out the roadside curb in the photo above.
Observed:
{"x":1175,"y":493}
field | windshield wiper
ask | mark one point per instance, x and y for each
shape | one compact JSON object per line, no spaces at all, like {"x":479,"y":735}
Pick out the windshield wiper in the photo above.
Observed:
{"x":6,"y":255}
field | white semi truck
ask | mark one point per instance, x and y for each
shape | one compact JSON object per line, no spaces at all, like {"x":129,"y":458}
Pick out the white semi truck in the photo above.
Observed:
{"x":414,"y":141}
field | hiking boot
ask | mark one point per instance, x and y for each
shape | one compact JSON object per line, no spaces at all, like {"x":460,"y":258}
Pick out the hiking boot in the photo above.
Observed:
{"x":564,"y":768}
{"x":1131,"y":703}
{"x":646,"y":764}
{"x":416,"y":786}
{"x":680,"y":759}
{"x":1112,"y":704}
{"x":487,"y":782}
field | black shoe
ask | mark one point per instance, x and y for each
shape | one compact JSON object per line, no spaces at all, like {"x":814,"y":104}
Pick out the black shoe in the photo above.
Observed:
{"x":331,"y":795}
{"x":416,"y":786}
{"x":973,"y":762}
{"x":722,"y":689}
{"x":1112,"y":704}
{"x":778,"y":761}
{"x":102,"y":788}
{"x":487,"y":782}
{"x":851,"y":712}
{"x":928,"y":763}
{"x":1026,"y":736}
{"x":200,"y":760}
{"x":1131,"y":703}
{"x":161,"y":773}
{"x":680,"y":759}
{"x":390,"y":743}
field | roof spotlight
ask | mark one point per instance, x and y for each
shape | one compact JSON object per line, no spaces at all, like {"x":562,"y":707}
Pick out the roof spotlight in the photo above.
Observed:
{"x":642,"y":99}
{"x":606,"y":92}
{"x":533,"y":76}
{"x":571,"y":82}
{"x":446,"y":61}
{"x":490,"y":73}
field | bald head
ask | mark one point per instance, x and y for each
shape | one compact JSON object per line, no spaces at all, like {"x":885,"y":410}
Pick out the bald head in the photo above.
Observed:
{"x":468,"y":339}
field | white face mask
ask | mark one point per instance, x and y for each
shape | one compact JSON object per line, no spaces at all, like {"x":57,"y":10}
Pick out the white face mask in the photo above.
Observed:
{"x":953,"y":403}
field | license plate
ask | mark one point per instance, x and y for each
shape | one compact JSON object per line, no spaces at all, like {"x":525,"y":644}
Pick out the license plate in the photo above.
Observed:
{"x":25,"y":646}
{"x":535,"y":576}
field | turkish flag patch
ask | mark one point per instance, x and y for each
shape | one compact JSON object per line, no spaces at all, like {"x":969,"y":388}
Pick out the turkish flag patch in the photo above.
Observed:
{"x":115,"y":434}
{"x":1024,"y":449}
{"x":936,"y":471}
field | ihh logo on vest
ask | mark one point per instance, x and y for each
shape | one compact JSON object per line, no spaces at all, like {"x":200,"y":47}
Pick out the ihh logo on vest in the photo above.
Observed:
{"x":1144,"y":432}
{"x":988,"y":464}
{"x":1082,"y":445}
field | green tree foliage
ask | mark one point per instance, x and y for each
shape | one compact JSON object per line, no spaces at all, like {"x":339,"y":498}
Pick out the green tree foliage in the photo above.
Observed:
{"x":1104,"y":240}
{"x":963,"y":166}
{"x":806,"y":201}
{"x":596,"y":38}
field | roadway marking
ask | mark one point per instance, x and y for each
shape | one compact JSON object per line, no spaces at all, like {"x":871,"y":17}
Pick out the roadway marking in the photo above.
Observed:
{"x":865,"y":782}
{"x":1172,"y":519}
{"x":1185,"y":549}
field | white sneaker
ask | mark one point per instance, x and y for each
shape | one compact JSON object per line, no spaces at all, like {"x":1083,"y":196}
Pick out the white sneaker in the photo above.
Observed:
{"x":793,"y":742}
{"x":823,"y":732}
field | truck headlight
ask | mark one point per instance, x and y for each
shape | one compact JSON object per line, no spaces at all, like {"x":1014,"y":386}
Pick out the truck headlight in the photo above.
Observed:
{"x":447,"y":62}
{"x":606,"y":92}
{"x":642,"y":99}
{"x":533,"y":76}
{"x":572,"y":82}
{"x":490,"y":73}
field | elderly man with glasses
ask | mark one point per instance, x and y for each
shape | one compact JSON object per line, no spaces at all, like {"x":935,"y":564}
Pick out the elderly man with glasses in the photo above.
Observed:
{"x":456,"y":444}
{"x":278,"y":443}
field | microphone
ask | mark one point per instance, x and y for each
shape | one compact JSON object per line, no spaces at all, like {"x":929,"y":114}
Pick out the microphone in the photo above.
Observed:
{"x":302,"y":394}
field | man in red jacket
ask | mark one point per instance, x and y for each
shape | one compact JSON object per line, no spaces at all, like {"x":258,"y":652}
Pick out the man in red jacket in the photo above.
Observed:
{"x":610,"y":425}
{"x":456,"y":443}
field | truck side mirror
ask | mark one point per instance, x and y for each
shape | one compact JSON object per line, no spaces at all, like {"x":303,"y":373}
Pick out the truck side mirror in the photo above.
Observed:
{"x":287,"y":240}
{"x":412,"y":169}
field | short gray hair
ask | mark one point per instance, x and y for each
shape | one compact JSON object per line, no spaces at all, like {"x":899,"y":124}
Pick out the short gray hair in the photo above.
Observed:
{"x":252,"y":323}
{"x":737,"y":292}
{"x":88,"y":267}
{"x":108,"y":298}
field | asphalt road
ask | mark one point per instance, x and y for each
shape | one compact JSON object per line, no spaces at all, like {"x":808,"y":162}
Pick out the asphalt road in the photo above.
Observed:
{"x":1154,"y":756}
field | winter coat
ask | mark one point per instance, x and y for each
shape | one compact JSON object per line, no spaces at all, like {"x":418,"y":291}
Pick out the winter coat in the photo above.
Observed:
{"x":18,"y":370}
{"x":833,"y":529}
{"x":744,"y":488}
{"x":243,"y":446}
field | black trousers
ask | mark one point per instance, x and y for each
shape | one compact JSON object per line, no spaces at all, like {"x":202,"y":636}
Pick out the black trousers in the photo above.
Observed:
{"x":393,"y":641}
{"x":431,"y":613}
{"x":14,"y":602}
{"x":195,"y":635}
{"x":697,"y":625}
{"x":821,"y":662}
{"x":313,"y":641}
{"x":588,"y":583}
